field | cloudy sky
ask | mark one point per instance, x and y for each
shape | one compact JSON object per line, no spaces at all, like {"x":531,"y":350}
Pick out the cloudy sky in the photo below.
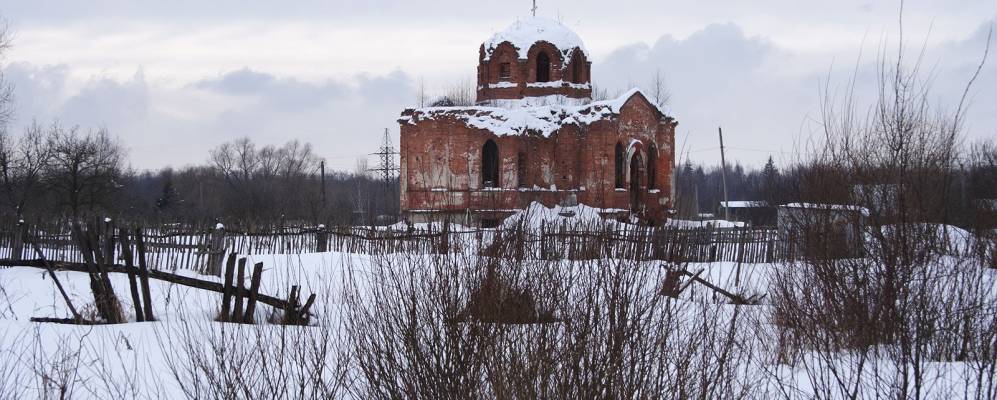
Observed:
{"x":173,"y":79}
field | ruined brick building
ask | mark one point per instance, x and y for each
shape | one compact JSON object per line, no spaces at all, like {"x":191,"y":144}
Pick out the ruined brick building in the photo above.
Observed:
{"x":536,"y":135}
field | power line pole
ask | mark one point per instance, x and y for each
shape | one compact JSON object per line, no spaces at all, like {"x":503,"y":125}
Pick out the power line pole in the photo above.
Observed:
{"x":321,"y":167}
{"x":386,"y":166}
{"x":723,"y":174}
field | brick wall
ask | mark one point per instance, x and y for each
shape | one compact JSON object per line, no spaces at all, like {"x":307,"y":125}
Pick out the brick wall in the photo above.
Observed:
{"x":441,"y":161}
{"x":523,"y":73}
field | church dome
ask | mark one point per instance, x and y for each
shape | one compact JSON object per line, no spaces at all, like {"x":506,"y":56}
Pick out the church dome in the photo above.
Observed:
{"x":524,"y":33}
{"x":533,"y":61}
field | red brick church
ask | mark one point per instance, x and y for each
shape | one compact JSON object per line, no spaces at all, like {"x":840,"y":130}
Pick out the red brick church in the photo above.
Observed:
{"x":536,"y":135}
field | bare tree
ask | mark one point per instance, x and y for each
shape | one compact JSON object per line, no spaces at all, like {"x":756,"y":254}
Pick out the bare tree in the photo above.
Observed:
{"x":662,"y":96}
{"x":6,"y":90}
{"x":883,"y":289}
{"x":84,"y":169}
{"x":259,"y":178}
{"x":460,"y":94}
{"x":22,"y":164}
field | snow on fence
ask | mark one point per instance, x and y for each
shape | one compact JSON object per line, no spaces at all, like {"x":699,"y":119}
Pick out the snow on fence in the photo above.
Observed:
{"x":750,"y":245}
{"x":203,"y":248}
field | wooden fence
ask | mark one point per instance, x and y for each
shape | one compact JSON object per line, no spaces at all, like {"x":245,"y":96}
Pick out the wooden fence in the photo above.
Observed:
{"x":202,"y":249}
{"x":750,"y":245}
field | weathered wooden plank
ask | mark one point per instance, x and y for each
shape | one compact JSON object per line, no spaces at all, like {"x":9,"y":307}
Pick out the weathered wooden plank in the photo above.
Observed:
{"x":154,"y":274}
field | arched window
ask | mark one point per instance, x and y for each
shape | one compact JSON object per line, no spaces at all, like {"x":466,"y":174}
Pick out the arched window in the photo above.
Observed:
{"x":543,"y":67}
{"x":652,"y":163}
{"x":577,"y":67}
{"x":505,"y":71}
{"x":521,"y":176}
{"x":619,"y":166}
{"x":490,"y":165}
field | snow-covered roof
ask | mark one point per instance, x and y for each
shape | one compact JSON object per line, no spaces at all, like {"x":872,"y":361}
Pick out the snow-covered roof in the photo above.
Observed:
{"x":523,"y":33}
{"x":744,"y":204}
{"x":829,"y":207}
{"x":543,"y":120}
{"x":712,"y":223}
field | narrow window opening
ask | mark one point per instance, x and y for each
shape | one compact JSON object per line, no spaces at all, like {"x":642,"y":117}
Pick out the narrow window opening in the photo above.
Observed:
{"x":490,"y":165}
{"x":577,"y":67}
{"x":652,"y":163}
{"x":635,"y":199}
{"x":543,"y":68}
{"x":521,"y":175}
{"x":505,"y":71}
{"x":619,"y":166}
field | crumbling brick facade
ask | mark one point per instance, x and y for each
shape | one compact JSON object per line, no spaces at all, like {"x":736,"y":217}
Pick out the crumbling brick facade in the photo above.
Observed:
{"x":480,"y":164}
{"x":572,"y":79}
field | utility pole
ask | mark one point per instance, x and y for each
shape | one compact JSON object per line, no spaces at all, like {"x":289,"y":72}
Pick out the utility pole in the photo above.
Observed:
{"x":386,"y":167}
{"x":723,"y":173}
{"x":321,"y":167}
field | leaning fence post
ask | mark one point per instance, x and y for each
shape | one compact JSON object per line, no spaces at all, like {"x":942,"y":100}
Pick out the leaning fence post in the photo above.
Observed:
{"x":126,"y":254}
{"x":216,"y":251}
{"x":226,"y":313}
{"x":770,"y":248}
{"x":143,"y":275}
{"x":18,"y":246}
{"x":740,"y":257}
{"x":254,"y":289}
{"x":240,"y":287}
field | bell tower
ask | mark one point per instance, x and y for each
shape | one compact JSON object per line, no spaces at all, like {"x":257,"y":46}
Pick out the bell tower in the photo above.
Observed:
{"x":536,"y":60}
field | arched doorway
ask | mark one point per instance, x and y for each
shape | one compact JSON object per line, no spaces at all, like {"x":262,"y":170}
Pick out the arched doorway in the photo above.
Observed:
{"x":490,"y":165}
{"x":636,"y":170}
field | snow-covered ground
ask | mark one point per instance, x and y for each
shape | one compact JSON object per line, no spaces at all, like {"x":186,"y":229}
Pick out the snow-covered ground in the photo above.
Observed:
{"x":135,"y":354}
{"x":142,"y":359}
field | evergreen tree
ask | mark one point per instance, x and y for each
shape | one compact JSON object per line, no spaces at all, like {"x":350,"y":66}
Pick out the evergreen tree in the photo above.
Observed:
{"x":167,"y":199}
{"x":770,"y":182}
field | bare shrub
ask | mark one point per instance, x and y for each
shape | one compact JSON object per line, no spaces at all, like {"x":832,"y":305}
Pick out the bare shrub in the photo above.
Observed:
{"x":12,"y":375}
{"x":595,"y":328}
{"x":870,"y":320}
{"x":207,"y":359}
{"x":401,"y":314}
{"x":57,"y":375}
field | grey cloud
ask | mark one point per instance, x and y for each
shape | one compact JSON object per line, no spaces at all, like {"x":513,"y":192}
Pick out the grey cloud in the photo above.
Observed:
{"x":164,"y":126}
{"x":103,"y":100}
{"x":281,"y":93}
{"x":711,"y":57}
{"x":41,"y":92}
{"x":716,"y":76}
{"x":38,"y":89}
{"x":243,"y":81}
{"x":394,"y":88}
{"x":57,"y":10}
{"x":719,"y":76}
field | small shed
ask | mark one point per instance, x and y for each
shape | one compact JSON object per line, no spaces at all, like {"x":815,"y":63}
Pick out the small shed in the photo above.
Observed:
{"x":882,"y":199}
{"x":822,"y":231}
{"x":705,"y":216}
{"x":752,"y":212}
{"x":985,"y":216}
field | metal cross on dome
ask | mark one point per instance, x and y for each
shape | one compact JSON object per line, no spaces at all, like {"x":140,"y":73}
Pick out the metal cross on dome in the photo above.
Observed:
{"x":534,"y":8}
